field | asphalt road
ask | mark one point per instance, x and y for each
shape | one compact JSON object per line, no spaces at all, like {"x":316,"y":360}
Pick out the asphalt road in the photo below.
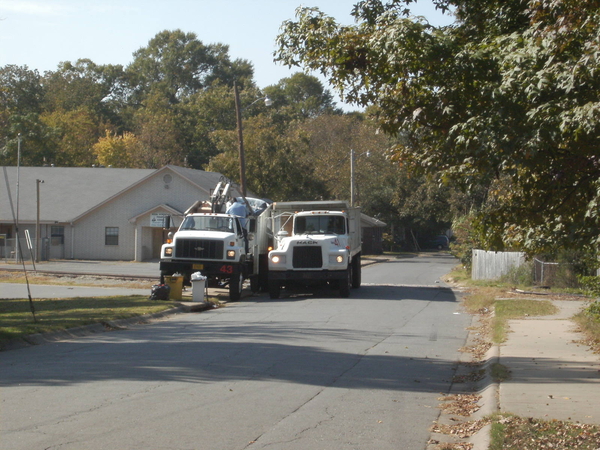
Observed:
{"x":301,"y":372}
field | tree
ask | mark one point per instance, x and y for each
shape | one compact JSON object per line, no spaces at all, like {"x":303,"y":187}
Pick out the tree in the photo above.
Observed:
{"x":178,"y":65}
{"x":21,"y":91}
{"x":210,"y":110}
{"x":277,"y":166}
{"x":301,"y":97}
{"x":506,"y":98}
{"x":100,"y":89}
{"x":159,"y":133}
{"x":74,"y":134}
{"x":21,"y":97}
{"x":118,"y":151}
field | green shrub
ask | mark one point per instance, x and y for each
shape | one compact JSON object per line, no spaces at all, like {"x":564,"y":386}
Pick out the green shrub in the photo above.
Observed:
{"x":590,"y":285}
{"x":520,"y":276}
{"x":565,"y":277}
{"x":464,"y":240}
{"x":593,"y":311}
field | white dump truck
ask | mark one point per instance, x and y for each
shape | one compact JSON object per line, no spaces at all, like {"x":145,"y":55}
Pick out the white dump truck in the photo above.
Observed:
{"x":316,"y":243}
{"x":225,"y":246}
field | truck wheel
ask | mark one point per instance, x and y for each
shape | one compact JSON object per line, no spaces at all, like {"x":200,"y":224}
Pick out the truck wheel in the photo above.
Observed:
{"x":235,"y":287}
{"x":274,"y":290}
{"x":356,"y":272}
{"x":345,"y":284}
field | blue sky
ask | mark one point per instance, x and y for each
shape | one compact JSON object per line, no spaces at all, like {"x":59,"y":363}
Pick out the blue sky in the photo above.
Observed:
{"x":42,"y":33}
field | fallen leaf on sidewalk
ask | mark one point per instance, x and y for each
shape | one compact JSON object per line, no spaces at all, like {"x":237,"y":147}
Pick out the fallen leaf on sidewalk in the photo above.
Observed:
{"x":460,"y":404}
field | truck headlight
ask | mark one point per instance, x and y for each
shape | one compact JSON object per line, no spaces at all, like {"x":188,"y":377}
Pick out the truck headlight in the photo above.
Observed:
{"x":230,"y":254}
{"x":169,"y":251}
{"x":278,"y":259}
{"x":336,"y":259}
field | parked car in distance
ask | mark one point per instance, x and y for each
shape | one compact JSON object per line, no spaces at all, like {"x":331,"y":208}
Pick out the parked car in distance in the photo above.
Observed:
{"x":440,"y":242}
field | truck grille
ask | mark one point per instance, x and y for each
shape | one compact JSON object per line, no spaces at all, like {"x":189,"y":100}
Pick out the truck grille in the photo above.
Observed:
{"x":198,"y":249}
{"x":307,"y":258}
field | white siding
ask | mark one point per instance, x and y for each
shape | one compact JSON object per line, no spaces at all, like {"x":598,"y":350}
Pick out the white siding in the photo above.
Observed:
{"x":89,"y":231}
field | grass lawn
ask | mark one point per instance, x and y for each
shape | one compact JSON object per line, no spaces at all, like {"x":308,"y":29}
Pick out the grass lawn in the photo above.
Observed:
{"x":517,"y":309}
{"x":518,"y":433}
{"x":17,"y":321}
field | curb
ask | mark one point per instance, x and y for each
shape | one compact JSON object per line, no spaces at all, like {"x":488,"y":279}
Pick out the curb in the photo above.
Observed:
{"x":489,"y":400}
{"x":486,"y":388}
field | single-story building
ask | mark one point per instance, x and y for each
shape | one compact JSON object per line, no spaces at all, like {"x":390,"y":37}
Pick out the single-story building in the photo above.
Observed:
{"x":96,"y":213}
{"x":102,"y":213}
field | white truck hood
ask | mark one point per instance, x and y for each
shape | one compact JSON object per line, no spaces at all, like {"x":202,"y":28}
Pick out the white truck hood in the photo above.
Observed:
{"x":334,"y":240}
{"x":195,"y":234}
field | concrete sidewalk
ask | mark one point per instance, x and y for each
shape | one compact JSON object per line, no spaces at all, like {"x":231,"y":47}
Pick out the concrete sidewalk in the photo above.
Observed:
{"x":552,"y":374}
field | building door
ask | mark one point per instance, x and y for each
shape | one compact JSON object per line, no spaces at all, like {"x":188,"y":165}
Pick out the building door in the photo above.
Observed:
{"x":57,"y":242}
{"x":158,"y":239}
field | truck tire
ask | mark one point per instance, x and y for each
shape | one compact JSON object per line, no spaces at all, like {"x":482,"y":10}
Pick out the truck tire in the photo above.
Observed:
{"x":235,"y":286}
{"x":274,"y":290}
{"x":356,"y":272}
{"x":345,"y":284}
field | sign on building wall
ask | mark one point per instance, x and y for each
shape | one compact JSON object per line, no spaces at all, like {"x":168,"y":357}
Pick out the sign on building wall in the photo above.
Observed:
{"x":158,"y":220}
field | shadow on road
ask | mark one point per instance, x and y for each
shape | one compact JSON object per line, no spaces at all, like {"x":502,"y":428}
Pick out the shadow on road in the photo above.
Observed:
{"x":204,"y":352}
{"x":376,"y":292}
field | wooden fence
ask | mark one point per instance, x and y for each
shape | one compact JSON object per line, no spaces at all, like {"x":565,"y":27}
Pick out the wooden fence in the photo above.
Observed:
{"x":492,"y":265}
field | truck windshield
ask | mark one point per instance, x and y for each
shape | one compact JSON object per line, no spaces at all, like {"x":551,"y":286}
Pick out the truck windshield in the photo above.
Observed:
{"x":320,"y":225}
{"x":208,"y":223}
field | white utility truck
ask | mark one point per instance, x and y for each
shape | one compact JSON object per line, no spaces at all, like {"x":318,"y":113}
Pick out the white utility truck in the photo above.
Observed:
{"x":226,"y":248}
{"x":316,"y":243}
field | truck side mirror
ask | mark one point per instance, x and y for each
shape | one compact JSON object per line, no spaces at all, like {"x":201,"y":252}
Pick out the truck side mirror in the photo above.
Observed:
{"x":167,"y":223}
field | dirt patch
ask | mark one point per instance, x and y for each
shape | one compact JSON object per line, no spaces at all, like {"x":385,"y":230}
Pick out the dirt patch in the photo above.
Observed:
{"x":74,"y":280}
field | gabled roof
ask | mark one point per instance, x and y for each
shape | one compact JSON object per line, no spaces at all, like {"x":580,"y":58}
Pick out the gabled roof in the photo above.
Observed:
{"x":68,"y":193}
{"x":204,"y":180}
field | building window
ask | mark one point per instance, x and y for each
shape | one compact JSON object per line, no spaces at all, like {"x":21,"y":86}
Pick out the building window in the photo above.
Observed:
{"x":57,"y":235}
{"x":111,"y":236}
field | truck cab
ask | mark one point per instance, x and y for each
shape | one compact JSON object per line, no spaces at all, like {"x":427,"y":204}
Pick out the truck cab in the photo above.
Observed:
{"x":315,"y":247}
{"x":212,"y":243}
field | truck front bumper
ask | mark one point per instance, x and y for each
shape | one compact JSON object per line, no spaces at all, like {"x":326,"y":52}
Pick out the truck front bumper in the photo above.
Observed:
{"x":207,"y":268}
{"x":308,"y":275}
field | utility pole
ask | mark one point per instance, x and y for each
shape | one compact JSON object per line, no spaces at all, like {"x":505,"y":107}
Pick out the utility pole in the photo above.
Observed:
{"x":37,"y":222}
{"x":351,"y":177}
{"x":238,"y":113}
{"x":17,"y":256}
